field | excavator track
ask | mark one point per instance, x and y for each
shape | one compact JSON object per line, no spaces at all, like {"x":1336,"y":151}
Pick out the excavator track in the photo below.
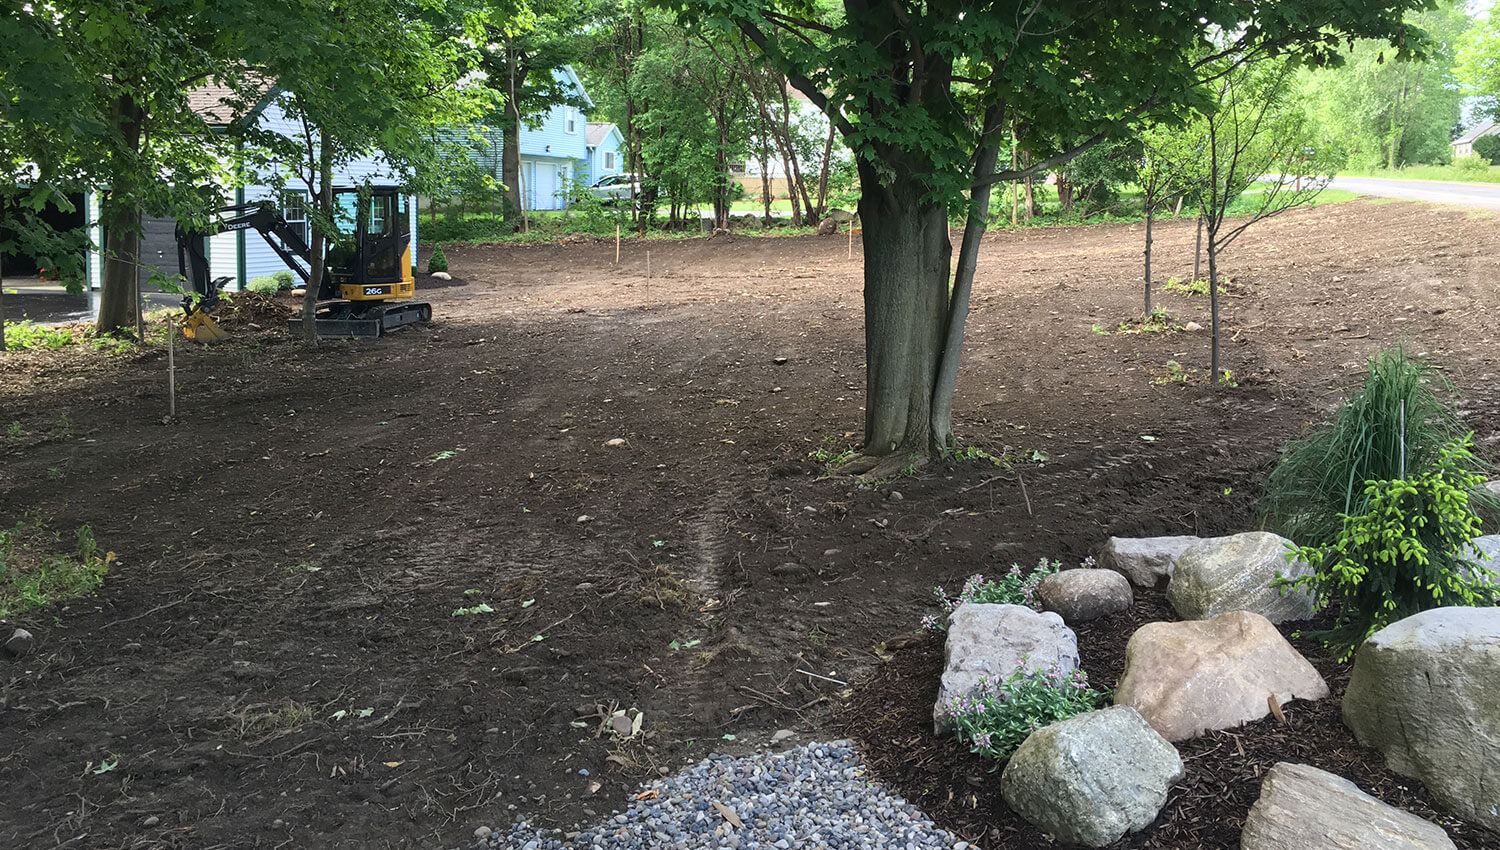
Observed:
{"x":348,"y":320}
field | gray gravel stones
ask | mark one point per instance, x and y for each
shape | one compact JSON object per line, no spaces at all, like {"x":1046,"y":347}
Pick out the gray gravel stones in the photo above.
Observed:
{"x":1092,"y":778}
{"x":815,"y":796}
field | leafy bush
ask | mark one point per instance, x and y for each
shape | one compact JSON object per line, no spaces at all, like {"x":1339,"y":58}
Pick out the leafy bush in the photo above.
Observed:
{"x":1407,"y":552}
{"x":1471,"y":165}
{"x":266,"y":285}
{"x":284,"y":279}
{"x":1013,"y":588}
{"x":437,"y":262}
{"x":32,"y":573}
{"x":995,"y":717}
{"x":20,"y":336}
{"x":1489,"y":148}
{"x":1401,"y":419}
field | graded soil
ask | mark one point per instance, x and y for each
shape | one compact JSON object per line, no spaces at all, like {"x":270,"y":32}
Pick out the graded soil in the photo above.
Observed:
{"x":378,"y":593}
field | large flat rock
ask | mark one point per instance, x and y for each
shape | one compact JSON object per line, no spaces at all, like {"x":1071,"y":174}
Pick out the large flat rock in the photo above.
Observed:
{"x":1236,"y":573}
{"x":1146,"y":561}
{"x":992,"y":642}
{"x":1425,"y":691}
{"x":1304,"y":808}
{"x":1189,"y":677}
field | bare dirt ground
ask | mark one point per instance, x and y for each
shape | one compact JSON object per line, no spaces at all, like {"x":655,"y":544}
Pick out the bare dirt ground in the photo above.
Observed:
{"x":275,"y":661}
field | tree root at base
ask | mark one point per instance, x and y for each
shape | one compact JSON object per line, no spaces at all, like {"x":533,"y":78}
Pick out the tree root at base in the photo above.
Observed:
{"x":876,"y":467}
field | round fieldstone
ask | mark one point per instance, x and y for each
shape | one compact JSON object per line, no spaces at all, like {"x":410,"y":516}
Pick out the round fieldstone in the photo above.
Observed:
{"x":1237,"y":573}
{"x":1082,"y":595}
{"x":1093,"y":778}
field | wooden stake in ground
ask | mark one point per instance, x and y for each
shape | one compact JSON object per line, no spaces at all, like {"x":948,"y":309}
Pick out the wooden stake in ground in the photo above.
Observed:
{"x":171,"y":368}
{"x":648,"y":277}
{"x":617,"y":243}
{"x":851,"y":240}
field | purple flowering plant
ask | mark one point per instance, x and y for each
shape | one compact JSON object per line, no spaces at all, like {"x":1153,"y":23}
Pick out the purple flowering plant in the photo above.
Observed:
{"x":1013,"y":588}
{"x":995,"y":717}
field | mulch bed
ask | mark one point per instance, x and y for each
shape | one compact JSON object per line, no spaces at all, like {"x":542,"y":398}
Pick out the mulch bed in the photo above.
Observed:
{"x":890,"y":715}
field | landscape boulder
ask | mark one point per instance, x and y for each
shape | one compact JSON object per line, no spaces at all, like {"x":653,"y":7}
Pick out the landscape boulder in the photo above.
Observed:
{"x":1235,"y":573}
{"x":1190,"y":677}
{"x":1425,"y":691}
{"x":1304,"y":808}
{"x":19,"y":643}
{"x":827,"y":227}
{"x":749,"y":222}
{"x":992,"y":642}
{"x":1092,"y":778}
{"x":840,"y":216}
{"x":1146,"y":561}
{"x":1487,"y":555}
{"x":1082,"y":595}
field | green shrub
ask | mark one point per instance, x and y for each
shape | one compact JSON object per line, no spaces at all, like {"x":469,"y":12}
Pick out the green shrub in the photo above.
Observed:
{"x":20,"y":336}
{"x":1489,"y":148}
{"x":1401,"y":419}
{"x":1409,"y":550}
{"x":1013,"y":588}
{"x":437,"y":262}
{"x":34,"y":573}
{"x":995,"y":717}
{"x":284,"y":279}
{"x":1472,"y":165}
{"x":265,"y":285}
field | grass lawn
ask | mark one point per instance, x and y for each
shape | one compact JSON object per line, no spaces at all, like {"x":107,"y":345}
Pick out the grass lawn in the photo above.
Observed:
{"x":1427,"y":172}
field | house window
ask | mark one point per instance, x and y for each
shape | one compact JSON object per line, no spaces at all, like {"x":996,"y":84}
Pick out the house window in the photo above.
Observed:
{"x":294,"y":210}
{"x":572,"y":120}
{"x":609,"y":160}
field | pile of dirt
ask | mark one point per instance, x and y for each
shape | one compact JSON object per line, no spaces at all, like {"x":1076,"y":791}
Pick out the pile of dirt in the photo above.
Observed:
{"x":253,"y":310}
{"x":890,"y":714}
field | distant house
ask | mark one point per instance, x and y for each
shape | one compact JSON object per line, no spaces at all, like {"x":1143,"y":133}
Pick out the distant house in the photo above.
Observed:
{"x":604,"y":142}
{"x":554,"y":148}
{"x":1464,"y":145}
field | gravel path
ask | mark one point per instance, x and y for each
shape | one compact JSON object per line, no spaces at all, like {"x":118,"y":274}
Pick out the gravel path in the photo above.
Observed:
{"x":813,"y":796}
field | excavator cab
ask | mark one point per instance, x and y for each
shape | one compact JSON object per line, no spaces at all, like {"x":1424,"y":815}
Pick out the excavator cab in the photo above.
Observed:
{"x":368,"y":269}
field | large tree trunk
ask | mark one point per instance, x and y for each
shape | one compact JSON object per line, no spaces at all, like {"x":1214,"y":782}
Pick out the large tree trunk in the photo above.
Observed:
{"x":510,"y":145}
{"x":122,"y":255}
{"x":907,"y":254}
{"x":122,"y":224}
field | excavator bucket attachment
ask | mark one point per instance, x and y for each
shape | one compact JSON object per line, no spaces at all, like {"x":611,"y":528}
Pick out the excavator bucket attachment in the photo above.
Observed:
{"x":199,"y":327}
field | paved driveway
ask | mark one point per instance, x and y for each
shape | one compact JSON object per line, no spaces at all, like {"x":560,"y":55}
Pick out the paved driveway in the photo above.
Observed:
{"x":1484,"y":195}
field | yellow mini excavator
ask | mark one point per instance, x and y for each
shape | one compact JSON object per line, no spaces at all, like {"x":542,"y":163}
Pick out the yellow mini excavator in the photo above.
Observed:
{"x":365,"y":276}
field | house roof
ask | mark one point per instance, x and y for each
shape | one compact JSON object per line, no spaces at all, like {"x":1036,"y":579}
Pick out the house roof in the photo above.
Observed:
{"x":1484,"y":128}
{"x":220,"y":105}
{"x":597,"y":131}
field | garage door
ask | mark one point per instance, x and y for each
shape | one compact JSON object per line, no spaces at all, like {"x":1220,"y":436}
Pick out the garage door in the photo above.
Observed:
{"x":158,"y":246}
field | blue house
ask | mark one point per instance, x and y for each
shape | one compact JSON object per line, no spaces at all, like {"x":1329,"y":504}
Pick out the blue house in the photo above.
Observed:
{"x":244,"y":256}
{"x":605,"y":144}
{"x":557,"y":147}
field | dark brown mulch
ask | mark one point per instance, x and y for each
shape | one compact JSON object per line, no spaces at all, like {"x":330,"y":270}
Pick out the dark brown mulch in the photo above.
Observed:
{"x":890,"y":715}
{"x":241,"y":309}
{"x":427,"y":281}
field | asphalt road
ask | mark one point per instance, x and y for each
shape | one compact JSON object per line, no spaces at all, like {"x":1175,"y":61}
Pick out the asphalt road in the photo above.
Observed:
{"x":1483,"y":195}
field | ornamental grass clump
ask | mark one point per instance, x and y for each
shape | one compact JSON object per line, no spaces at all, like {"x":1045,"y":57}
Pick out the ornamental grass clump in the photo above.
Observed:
{"x":1013,"y":588}
{"x":1410,"y":550}
{"x":995,"y":717}
{"x":1401,"y":419}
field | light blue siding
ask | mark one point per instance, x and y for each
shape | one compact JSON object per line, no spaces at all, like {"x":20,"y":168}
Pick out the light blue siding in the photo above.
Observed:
{"x":610,"y":144}
{"x":260,"y":259}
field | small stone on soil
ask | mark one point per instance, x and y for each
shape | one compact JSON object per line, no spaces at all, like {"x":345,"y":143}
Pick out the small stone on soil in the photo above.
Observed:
{"x":19,"y":643}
